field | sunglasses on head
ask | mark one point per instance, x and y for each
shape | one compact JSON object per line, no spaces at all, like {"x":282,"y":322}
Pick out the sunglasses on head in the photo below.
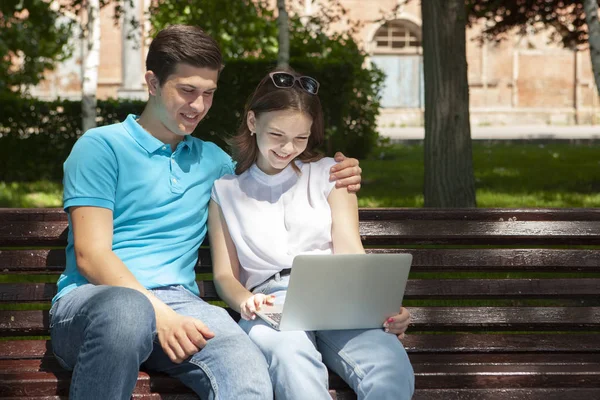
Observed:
{"x":285,"y":80}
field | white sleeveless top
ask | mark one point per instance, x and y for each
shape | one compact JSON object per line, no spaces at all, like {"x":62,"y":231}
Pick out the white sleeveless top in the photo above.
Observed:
{"x":273,"y":218}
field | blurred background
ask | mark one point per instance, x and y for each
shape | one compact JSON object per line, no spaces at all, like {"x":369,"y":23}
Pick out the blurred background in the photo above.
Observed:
{"x":529,"y":137}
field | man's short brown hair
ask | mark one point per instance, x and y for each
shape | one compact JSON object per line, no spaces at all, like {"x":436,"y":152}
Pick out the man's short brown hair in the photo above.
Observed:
{"x":182,"y":44}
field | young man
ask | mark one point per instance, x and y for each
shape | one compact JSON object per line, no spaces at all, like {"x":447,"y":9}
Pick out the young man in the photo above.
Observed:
{"x":137,"y":197}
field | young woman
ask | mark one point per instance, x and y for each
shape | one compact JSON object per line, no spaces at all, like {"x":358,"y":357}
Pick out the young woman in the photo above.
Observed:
{"x":280,"y":204}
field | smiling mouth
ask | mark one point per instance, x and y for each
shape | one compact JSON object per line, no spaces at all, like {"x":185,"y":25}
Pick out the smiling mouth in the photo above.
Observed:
{"x":281,"y":157}
{"x":191,"y":117}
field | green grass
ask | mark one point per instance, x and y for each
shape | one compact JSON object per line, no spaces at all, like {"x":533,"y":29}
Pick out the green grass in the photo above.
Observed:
{"x":507,"y":175}
{"x":30,"y":194}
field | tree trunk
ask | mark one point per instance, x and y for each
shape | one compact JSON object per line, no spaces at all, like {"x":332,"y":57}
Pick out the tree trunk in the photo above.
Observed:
{"x":449,"y":180}
{"x":91,"y":59}
{"x":283,"y":55}
{"x":593,"y":24}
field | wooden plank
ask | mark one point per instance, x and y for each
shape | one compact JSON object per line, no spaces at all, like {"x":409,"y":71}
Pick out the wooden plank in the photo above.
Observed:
{"x":503,"y":343}
{"x":30,"y":372}
{"x":480,"y":214}
{"x":519,"y":233}
{"x":506,"y":376}
{"x":452,"y":289}
{"x":473,"y":214}
{"x":426,"y":377}
{"x":420,"y":394}
{"x":54,"y":233}
{"x":416,"y":345}
{"x":508,"y":394}
{"x":424,"y":319}
{"x":39,"y":357}
{"x":424,"y":260}
{"x":44,"y":292}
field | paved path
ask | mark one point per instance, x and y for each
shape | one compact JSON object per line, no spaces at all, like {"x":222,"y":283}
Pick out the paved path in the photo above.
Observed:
{"x":537,"y":132}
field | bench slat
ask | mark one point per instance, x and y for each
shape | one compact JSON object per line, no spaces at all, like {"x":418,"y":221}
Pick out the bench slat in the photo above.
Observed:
{"x":424,"y":319}
{"x":480,"y":214}
{"x":475,"y":232}
{"x":438,"y":260}
{"x":54,"y":233}
{"x":508,"y":394}
{"x":484,"y":376}
{"x":452,"y":289}
{"x":48,"y":371}
{"x":434,"y":345}
{"x":465,"y":214}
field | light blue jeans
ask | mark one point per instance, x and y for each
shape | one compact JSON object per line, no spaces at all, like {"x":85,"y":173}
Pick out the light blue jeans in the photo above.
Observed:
{"x":104,"y":333}
{"x":372,"y":362}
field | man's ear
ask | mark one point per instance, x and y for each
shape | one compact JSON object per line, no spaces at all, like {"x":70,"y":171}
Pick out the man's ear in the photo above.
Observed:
{"x":152,"y":82}
{"x":251,"y":121}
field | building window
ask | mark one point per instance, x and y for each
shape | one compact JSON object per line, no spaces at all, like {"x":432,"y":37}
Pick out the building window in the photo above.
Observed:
{"x":398,"y":37}
{"x":398,"y":53}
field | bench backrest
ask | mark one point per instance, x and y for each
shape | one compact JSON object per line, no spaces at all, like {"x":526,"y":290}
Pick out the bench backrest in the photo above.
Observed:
{"x":475,"y":270}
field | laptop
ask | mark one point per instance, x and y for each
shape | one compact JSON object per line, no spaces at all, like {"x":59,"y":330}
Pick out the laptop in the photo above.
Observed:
{"x":346,"y":291}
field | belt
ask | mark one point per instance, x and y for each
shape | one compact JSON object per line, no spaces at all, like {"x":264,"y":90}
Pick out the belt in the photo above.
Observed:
{"x":283,"y":272}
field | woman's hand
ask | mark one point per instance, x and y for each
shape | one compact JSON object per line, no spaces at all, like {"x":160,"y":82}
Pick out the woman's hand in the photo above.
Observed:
{"x":397,"y":324}
{"x":249,"y":306}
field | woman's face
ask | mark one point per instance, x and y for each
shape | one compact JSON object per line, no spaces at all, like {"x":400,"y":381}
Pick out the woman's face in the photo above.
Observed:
{"x":281,"y":136}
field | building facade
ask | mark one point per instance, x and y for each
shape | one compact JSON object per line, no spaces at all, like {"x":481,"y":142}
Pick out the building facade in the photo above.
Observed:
{"x":522,"y":80}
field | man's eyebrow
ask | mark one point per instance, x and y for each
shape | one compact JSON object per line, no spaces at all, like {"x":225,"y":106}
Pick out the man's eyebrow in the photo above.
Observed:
{"x":188,"y":85}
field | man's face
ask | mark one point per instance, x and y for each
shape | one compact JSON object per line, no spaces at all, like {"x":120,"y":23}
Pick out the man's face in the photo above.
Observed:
{"x":185,"y":97}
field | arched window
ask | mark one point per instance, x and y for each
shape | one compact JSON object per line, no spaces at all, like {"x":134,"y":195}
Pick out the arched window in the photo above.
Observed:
{"x":398,"y":36}
{"x":397,"y":51}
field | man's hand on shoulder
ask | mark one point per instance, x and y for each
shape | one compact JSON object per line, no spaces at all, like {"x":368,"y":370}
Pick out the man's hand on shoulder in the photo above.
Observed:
{"x":346,"y":173}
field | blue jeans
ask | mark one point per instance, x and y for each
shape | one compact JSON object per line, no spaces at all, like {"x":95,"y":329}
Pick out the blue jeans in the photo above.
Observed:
{"x":104,"y":333}
{"x":372,"y":362}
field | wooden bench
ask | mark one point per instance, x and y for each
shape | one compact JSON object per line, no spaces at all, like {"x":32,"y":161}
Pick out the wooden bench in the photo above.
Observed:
{"x":505,"y":303}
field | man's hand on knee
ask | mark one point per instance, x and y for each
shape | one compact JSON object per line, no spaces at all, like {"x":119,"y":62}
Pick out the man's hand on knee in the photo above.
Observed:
{"x":180,"y":337}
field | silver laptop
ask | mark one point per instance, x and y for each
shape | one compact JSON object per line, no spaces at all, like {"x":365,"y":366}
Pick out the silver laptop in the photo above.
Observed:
{"x":348,"y":291}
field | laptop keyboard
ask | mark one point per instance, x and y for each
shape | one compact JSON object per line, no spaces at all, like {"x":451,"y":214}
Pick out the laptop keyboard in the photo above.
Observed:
{"x":274,"y":316}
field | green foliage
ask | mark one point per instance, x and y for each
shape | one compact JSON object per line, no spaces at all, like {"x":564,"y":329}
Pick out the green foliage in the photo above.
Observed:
{"x":241,"y":27}
{"x":33,"y":38}
{"x":37,"y":136}
{"x":565,"y":17}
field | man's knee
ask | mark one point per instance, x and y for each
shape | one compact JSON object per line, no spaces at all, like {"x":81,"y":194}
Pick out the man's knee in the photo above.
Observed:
{"x":128,"y":320}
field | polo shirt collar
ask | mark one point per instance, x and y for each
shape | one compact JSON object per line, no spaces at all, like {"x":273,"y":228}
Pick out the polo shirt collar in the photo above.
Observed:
{"x":145,"y":139}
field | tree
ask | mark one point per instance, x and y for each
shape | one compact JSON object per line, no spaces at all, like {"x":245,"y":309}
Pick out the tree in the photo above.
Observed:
{"x":91,"y":60}
{"x":33,"y":38}
{"x":283,"y":55}
{"x":449,"y":179}
{"x":574,"y":22}
{"x":593,"y":24}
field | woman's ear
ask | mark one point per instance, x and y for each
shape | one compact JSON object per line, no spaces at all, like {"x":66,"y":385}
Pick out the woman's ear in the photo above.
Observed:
{"x":251,"y":121}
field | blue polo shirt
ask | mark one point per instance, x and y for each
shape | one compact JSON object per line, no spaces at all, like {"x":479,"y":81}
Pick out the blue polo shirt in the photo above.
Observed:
{"x":159,"y":200}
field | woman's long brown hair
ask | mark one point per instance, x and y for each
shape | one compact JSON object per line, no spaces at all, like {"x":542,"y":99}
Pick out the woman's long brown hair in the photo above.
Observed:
{"x":267,"y":97}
